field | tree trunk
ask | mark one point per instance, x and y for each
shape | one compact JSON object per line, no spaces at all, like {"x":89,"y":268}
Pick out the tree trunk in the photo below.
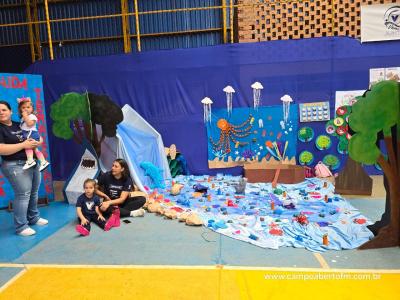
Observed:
{"x":78,"y":131}
{"x":95,"y":141}
{"x":385,"y":218}
{"x":353,"y":180}
{"x":388,"y":236}
{"x":398,"y":154}
{"x":76,"y":139}
{"x":88,"y":133}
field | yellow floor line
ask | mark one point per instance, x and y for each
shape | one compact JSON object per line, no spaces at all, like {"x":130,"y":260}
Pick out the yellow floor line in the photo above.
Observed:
{"x":9,"y":265}
{"x":321,"y":261}
{"x":92,"y":282}
{"x":12,"y":280}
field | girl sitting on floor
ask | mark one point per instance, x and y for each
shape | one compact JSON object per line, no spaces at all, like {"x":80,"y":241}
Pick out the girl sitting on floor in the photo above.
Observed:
{"x":87,"y":209}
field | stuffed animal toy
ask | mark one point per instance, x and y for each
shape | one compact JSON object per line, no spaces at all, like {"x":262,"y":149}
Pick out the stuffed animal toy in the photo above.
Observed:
{"x":176,"y":189}
{"x":194,"y":220}
{"x":154,"y":173}
{"x":155,"y":208}
{"x":240,"y":187}
{"x":183,"y":216}
{"x":146,"y":204}
{"x":301,"y":219}
{"x":200,"y":188}
{"x":170,"y":214}
{"x":149,"y":200}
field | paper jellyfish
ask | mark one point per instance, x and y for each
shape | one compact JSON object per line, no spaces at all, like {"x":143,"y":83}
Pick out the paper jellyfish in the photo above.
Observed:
{"x":229,"y":94}
{"x":257,"y":87}
{"x":207,"y":109}
{"x":286,"y":100}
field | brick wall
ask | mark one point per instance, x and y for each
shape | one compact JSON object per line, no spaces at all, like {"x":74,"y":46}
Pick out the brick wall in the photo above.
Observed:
{"x":267,"y":20}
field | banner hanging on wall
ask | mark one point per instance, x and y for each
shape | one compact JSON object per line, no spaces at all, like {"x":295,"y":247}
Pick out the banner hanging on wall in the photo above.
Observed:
{"x":13,"y":86}
{"x":380,"y":22}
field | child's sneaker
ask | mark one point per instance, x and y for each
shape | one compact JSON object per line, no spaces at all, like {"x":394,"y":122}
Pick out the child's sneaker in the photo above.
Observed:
{"x":109,"y":224}
{"x":82,"y":230}
{"x":113,"y":221}
{"x":116,"y":213}
{"x":29,"y":164}
{"x":43,"y":165}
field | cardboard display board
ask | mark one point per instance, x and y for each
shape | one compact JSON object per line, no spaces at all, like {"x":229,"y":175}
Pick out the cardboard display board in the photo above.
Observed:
{"x":249,"y":136}
{"x":13,"y":86}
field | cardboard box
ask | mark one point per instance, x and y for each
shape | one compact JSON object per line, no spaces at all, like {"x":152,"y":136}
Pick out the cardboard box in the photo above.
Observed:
{"x":288,"y":173}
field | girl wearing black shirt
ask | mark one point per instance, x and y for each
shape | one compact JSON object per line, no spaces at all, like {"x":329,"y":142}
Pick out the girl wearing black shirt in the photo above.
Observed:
{"x":114,"y":187}
{"x":25,"y":183}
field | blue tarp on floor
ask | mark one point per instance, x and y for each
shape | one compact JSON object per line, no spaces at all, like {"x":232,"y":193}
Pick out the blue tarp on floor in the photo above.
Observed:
{"x":302,"y":214}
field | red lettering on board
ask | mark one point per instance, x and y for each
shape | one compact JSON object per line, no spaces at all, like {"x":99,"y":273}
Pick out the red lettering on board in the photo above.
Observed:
{"x":37,"y":92}
{"x":47,"y":182}
{"x":13,"y":82}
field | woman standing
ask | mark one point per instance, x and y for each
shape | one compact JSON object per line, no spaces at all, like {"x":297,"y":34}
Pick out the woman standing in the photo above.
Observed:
{"x":114,"y":187}
{"x":25,"y":183}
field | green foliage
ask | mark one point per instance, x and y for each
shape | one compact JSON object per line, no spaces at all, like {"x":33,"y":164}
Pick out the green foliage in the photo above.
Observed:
{"x":306,"y":158}
{"x":305,"y":134}
{"x":61,"y":129}
{"x":70,"y":107}
{"x":323,"y":142}
{"x":343,"y":145}
{"x":362,"y":148}
{"x":378,"y":110}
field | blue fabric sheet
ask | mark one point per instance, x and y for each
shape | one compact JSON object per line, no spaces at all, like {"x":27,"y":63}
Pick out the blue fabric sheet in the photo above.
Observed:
{"x":140,"y":146}
{"x":251,"y":218}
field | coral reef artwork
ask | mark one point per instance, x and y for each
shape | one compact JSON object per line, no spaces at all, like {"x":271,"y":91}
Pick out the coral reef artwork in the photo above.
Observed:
{"x":251,"y":136}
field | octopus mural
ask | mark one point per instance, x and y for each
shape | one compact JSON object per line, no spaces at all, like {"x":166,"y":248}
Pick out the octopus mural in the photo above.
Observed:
{"x":230,"y":133}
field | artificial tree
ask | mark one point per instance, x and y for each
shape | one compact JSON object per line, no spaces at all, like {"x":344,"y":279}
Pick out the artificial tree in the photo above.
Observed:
{"x":352,"y":179}
{"x":83,"y":112}
{"x":375,"y":118}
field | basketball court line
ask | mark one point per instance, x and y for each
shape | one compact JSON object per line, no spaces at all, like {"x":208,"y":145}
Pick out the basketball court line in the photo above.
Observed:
{"x":198,"y":267}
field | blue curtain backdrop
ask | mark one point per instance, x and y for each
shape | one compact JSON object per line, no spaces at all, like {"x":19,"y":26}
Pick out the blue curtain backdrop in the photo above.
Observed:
{"x":166,"y":87}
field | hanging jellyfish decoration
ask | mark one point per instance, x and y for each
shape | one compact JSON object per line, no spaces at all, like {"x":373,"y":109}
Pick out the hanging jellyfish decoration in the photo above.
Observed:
{"x":229,"y":95}
{"x":230,"y":132}
{"x":286,"y":100}
{"x":257,"y":87}
{"x":207,"y":109}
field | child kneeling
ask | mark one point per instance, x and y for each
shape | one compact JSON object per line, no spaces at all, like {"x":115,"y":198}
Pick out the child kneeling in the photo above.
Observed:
{"x":87,"y":209}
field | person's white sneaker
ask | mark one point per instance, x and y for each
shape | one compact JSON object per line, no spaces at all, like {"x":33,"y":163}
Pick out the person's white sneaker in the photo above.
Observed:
{"x":27,"y":232}
{"x":29,"y":164}
{"x":44,"y":165}
{"x":42,"y":221}
{"x":137,"y":213}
